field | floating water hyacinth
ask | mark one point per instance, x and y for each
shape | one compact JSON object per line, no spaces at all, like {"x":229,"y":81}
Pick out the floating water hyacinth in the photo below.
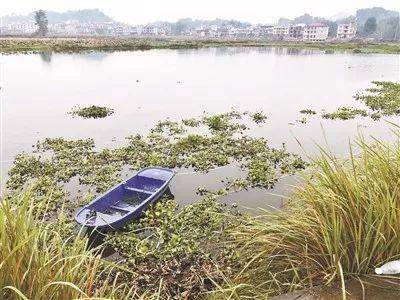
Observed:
{"x":93,"y":111}
{"x":383,"y":98}
{"x":308,"y":112}
{"x":166,"y":240}
{"x":223,"y":141}
{"x":259,"y":117}
{"x":345,"y":113}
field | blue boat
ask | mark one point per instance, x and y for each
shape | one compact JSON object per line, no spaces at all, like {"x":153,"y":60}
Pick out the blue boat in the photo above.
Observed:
{"x":126,"y":201}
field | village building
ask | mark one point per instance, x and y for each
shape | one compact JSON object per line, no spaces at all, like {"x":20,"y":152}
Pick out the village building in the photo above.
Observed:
{"x":316,"y":32}
{"x":346,"y":31}
{"x":296,"y":32}
{"x":281,"y":31}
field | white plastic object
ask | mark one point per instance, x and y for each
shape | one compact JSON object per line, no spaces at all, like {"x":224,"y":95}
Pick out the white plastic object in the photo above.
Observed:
{"x":390,"y":268}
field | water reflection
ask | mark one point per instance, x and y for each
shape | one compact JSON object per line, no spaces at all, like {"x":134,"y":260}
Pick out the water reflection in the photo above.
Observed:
{"x":232,"y":51}
{"x":46,"y":56}
{"x":94,"y":56}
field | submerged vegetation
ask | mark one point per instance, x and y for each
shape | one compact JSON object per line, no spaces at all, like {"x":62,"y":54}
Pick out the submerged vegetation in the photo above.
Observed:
{"x":21,"y":45}
{"x":93,"y":111}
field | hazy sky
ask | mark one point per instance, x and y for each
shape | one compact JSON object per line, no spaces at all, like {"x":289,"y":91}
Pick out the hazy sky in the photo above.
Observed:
{"x":142,"y":11}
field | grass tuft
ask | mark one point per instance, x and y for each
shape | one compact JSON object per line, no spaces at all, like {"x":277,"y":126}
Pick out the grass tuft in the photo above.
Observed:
{"x":39,"y":260}
{"x":343,"y":222}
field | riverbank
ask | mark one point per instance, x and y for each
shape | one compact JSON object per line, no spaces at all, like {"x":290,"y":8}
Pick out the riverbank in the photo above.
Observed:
{"x":27,"y":44}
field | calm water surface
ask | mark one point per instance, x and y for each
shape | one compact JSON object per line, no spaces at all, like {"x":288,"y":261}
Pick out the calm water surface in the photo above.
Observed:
{"x":39,"y":89}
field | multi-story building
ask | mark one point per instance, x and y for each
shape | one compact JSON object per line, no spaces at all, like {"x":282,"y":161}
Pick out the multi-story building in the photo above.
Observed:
{"x":28,"y":27}
{"x":281,"y":31}
{"x":296,"y":31}
{"x":346,"y":31}
{"x":150,"y":30}
{"x":317,"y":32}
{"x":263,"y":31}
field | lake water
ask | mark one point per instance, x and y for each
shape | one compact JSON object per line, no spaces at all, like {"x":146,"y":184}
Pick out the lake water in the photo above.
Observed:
{"x":38,"y":90}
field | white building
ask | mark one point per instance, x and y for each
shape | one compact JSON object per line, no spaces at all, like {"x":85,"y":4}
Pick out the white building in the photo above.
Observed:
{"x":281,"y":31}
{"x":346,"y":31}
{"x":315,"y":32}
{"x":263,"y":30}
{"x":150,"y":30}
{"x":21,"y":27}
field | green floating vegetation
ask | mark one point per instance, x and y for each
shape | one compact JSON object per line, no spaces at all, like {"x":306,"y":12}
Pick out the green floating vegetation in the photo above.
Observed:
{"x":375,"y":116}
{"x":342,"y":222}
{"x":308,"y":112}
{"x":169,"y":144}
{"x":302,"y":120}
{"x":259,"y":117}
{"x":190,"y":247}
{"x":93,"y":111}
{"x":383,"y":99}
{"x":345,"y":113}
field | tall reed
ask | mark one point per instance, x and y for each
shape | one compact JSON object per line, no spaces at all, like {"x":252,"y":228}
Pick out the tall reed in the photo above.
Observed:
{"x":38,"y":260}
{"x":342,"y":222}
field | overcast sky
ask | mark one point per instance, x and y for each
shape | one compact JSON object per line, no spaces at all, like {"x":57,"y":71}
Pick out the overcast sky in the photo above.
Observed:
{"x":255,"y":11}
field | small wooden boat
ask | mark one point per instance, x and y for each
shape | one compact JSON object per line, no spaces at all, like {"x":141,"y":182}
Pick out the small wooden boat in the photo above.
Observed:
{"x":126,"y":201}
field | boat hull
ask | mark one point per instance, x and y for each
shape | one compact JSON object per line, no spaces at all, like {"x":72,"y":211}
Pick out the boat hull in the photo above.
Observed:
{"x":126,"y":201}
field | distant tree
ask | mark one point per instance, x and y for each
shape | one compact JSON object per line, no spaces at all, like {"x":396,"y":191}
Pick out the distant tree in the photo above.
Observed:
{"x":333,"y":26}
{"x":284,"y":21}
{"x":389,"y":28}
{"x":42,"y":22}
{"x":306,"y":19}
{"x":370,"y":25}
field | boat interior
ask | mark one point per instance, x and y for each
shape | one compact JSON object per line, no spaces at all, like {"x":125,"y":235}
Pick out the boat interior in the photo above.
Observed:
{"x":121,"y":200}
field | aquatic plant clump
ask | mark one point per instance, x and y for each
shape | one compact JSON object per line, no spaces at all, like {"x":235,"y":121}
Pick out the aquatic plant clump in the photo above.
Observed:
{"x":168,"y":144}
{"x":308,"y":112}
{"x":259,"y":117}
{"x":345,"y":113}
{"x":93,"y":111}
{"x":187,"y":246}
{"x":383,"y":99}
